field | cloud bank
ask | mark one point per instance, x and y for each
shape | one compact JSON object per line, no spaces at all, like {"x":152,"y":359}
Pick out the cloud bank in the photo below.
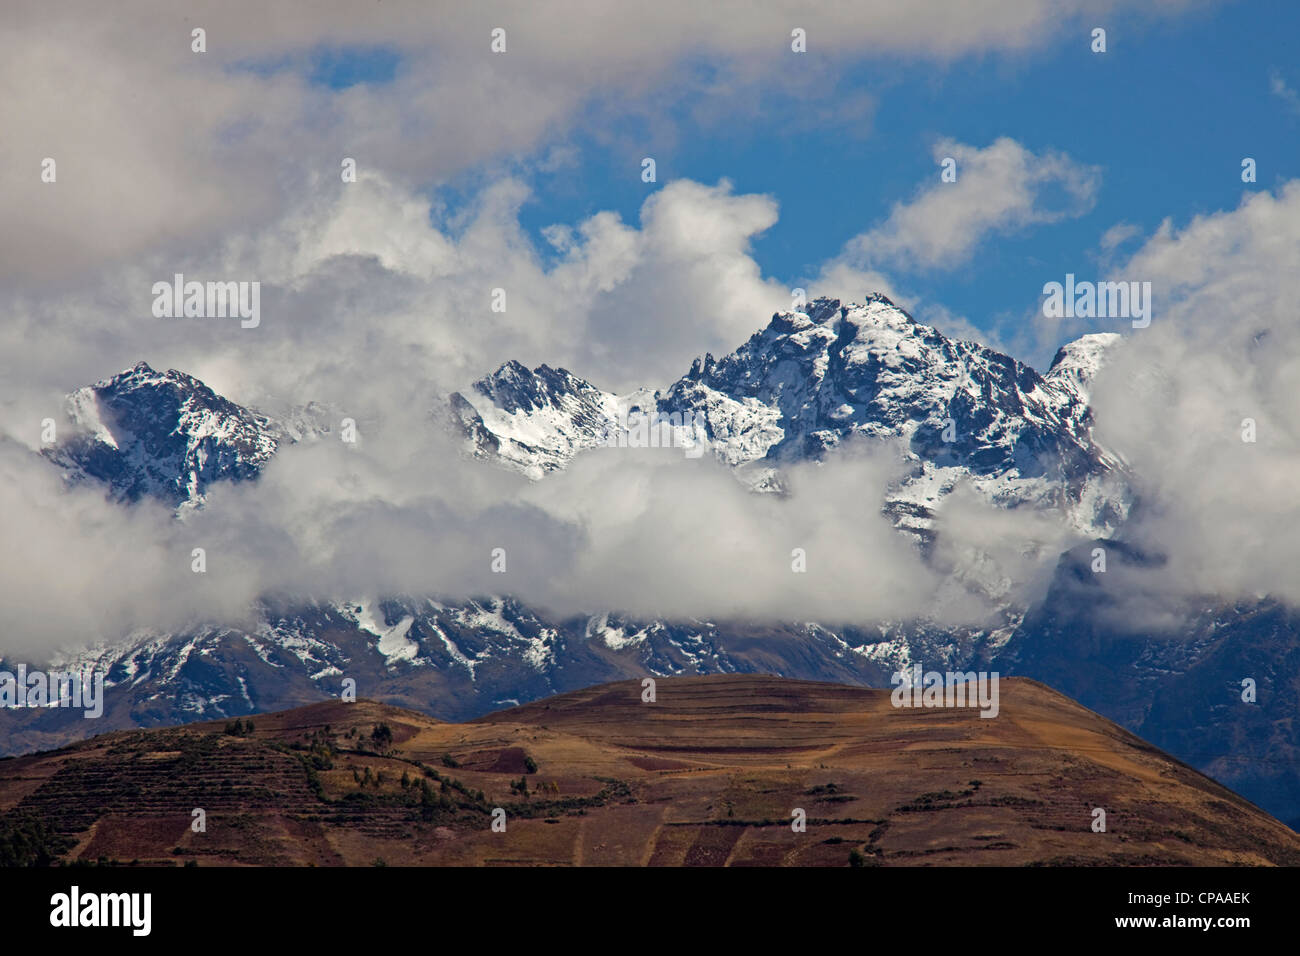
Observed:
{"x":1223,"y":348}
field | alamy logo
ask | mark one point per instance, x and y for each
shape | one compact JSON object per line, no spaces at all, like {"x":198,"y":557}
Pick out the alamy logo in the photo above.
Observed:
{"x":208,"y":300}
{"x":56,"y":689}
{"x":1099,"y":300}
{"x":74,"y":909}
{"x":918,"y":688}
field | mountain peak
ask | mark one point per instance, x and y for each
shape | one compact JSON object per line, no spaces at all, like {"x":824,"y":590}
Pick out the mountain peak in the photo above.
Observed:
{"x":1086,"y":349}
{"x":536,"y":420}
{"x":138,"y":374}
{"x":814,"y":378}
{"x":1077,"y":363}
{"x":876,"y":310}
{"x":513,"y":387}
{"x":144,"y":375}
{"x":165,"y":435}
{"x":822,"y":310}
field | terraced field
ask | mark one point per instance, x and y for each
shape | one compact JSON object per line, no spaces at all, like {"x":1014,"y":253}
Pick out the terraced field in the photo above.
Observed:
{"x":714,"y":772}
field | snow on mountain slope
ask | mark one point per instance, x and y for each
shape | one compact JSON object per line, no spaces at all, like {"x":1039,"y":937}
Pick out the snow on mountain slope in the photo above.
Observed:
{"x":811,"y":380}
{"x":966,"y":416}
{"x":393,"y":643}
{"x":537,"y":421}
{"x":803,"y":385}
{"x":167,"y":435}
{"x":1077,"y":363}
{"x":162,"y":435}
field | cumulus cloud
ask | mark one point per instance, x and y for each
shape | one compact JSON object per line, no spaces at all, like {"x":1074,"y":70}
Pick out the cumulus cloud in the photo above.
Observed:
{"x":157,"y":145}
{"x":371,"y":285}
{"x":1223,"y":347}
{"x":644,"y":531}
{"x":665,"y":536}
{"x":1001,"y":188}
{"x":76,"y":569}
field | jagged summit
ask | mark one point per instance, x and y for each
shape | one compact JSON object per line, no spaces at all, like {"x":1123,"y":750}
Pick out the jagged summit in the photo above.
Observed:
{"x":535,"y":420}
{"x":513,"y":387}
{"x":804,"y":384}
{"x":814,"y":378}
{"x":163,"y":435}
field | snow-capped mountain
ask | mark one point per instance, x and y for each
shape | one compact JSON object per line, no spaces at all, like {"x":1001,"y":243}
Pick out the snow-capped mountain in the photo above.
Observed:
{"x":813,"y":380}
{"x":805,"y":384}
{"x":168,"y":436}
{"x":537,"y":421}
{"x":165,"y":435}
{"x":1077,"y":363}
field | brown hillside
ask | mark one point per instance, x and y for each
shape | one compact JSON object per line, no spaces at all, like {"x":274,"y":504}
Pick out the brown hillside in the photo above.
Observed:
{"x":709,"y":774}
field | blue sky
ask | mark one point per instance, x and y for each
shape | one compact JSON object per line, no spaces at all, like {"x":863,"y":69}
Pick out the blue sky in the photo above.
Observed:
{"x":1167,"y":113}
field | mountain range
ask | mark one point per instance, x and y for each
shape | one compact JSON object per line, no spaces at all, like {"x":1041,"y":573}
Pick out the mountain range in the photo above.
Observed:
{"x":812,"y":381}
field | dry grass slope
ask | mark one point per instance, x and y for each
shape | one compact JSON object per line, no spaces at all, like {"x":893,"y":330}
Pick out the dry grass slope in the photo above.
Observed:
{"x":708,"y":775}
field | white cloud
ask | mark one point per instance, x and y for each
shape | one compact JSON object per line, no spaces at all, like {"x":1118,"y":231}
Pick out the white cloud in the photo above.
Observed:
{"x":999,"y":189}
{"x":1117,"y":235}
{"x":1223,"y":346}
{"x":1279,"y":87}
{"x":369,"y":285}
{"x":644,"y":531}
{"x":160,"y":147}
{"x":671,"y":537}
